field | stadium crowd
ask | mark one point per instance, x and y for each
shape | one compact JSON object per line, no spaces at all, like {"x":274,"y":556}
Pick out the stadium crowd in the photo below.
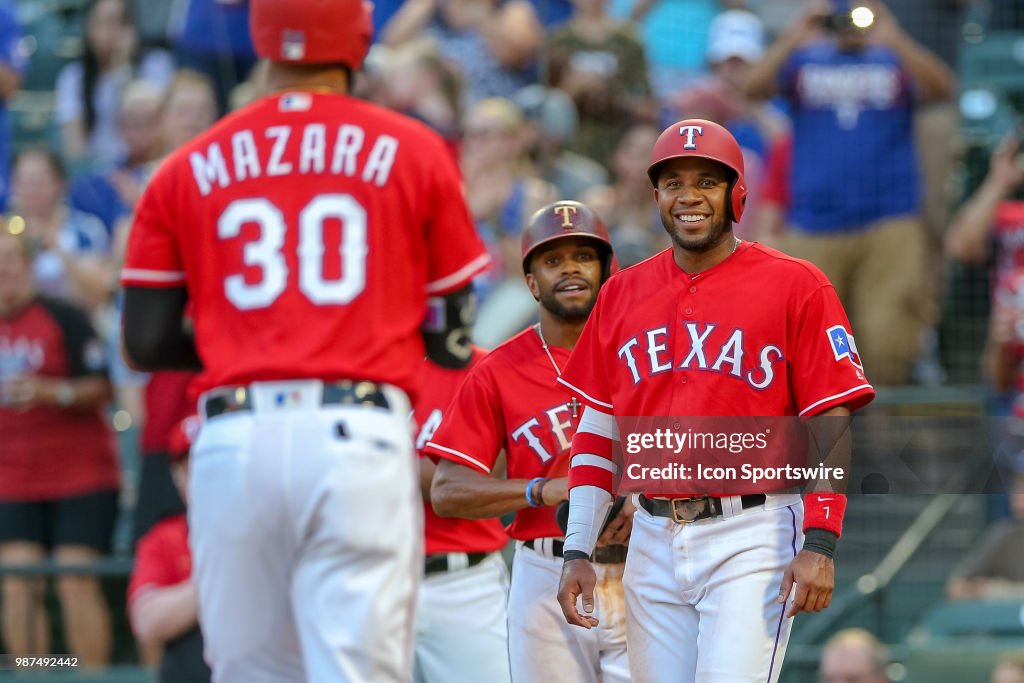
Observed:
{"x":851,"y":137}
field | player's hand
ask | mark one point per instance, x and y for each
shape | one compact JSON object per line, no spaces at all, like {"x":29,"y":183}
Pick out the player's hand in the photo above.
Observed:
{"x":815,"y":578}
{"x":578,"y":578}
{"x":555,"y":491}
{"x":617,"y":531}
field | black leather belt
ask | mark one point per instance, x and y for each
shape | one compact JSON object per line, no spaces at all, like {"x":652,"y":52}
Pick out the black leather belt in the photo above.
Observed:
{"x":686,"y":510}
{"x":345,"y":392}
{"x":609,"y":554}
{"x":435,"y":564}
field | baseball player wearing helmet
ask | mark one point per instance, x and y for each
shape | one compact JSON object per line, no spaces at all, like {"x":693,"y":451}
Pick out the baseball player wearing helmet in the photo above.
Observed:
{"x":712,"y":326}
{"x":311,"y":232}
{"x":511,"y":401}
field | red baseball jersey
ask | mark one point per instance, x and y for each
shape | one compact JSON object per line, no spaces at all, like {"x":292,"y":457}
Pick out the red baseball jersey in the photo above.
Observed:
{"x":309,"y":228}
{"x":759,"y":334}
{"x":450,"y":534}
{"x":511,"y":401}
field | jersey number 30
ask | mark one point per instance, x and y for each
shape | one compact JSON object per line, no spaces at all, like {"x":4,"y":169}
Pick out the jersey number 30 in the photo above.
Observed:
{"x":266,"y":252}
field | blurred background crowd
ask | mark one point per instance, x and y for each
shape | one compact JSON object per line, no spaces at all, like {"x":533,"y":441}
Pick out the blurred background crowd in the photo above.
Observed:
{"x":883,"y":145}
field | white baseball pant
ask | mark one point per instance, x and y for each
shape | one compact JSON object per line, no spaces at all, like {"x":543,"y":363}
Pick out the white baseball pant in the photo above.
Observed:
{"x":306,"y":531}
{"x":702,"y":598}
{"x":542,"y":646}
{"x":461,"y":629}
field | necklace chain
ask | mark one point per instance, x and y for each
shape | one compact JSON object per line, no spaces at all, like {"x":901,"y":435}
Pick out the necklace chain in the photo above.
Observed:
{"x":544,"y":343}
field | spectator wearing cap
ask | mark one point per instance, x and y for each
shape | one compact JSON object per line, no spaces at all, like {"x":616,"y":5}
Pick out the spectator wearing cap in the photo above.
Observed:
{"x":599,"y":61}
{"x":59,"y":475}
{"x":162,"y":603}
{"x":855,"y":202}
{"x":551,"y":121}
{"x":854,"y":656}
{"x":735,"y":45}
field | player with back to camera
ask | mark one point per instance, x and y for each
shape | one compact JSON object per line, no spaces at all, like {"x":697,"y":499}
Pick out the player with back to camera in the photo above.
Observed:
{"x":309,"y":231}
{"x":511,"y":401}
{"x":713,"y":326}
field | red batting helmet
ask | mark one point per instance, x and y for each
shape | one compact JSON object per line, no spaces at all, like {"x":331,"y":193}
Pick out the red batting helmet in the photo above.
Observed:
{"x":312,"y":31}
{"x":567,"y":218}
{"x":706,"y":139}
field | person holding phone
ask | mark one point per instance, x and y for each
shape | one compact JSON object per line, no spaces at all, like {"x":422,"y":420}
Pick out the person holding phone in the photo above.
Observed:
{"x":852,"y":78}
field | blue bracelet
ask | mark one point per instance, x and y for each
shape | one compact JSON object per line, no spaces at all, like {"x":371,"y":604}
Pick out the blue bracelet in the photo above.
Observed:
{"x":529,"y":493}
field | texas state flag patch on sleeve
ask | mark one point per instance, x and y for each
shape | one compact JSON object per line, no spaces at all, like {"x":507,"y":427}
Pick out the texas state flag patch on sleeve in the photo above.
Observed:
{"x":843,"y":345}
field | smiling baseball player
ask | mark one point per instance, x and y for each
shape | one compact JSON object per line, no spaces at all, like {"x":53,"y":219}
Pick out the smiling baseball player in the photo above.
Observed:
{"x":511,"y":401}
{"x":710,"y":327}
{"x":312,"y":232}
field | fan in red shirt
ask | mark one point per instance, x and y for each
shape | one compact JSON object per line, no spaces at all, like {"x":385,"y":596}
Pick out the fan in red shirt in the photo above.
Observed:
{"x":324,"y":244}
{"x":59,"y":475}
{"x":511,"y":401}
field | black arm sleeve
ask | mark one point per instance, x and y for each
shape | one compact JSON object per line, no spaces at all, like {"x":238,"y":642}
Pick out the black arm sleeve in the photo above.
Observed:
{"x":153,"y":330}
{"x":447,"y":328}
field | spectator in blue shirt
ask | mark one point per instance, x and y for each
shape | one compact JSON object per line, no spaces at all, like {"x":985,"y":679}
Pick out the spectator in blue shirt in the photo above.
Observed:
{"x":12,"y":68}
{"x":214,"y":40}
{"x":855,"y":209}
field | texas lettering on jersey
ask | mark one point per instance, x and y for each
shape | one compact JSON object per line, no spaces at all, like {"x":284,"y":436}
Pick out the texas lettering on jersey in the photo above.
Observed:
{"x":704,"y":347}
{"x":648,"y":354}
{"x":511,"y":401}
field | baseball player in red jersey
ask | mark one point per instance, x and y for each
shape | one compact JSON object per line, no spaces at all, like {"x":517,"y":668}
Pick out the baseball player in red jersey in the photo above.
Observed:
{"x":461,"y":631}
{"x":511,"y":401}
{"x":311,"y":231}
{"x":712,"y":326}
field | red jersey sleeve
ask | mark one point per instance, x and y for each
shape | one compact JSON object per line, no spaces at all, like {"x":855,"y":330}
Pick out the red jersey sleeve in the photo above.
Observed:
{"x":152,"y":258}
{"x":826,"y":368}
{"x":456,"y":252}
{"x":586,"y":375}
{"x":153,"y":567}
{"x":472,"y":432}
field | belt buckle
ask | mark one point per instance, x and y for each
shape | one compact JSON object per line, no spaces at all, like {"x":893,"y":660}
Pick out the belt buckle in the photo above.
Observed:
{"x":687,"y":510}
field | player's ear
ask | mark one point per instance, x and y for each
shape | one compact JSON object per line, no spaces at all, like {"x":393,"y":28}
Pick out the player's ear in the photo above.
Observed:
{"x":531,"y":282}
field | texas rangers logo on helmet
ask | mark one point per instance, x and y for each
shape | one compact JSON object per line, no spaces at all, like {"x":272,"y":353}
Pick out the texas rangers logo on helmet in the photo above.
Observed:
{"x":689,"y":132}
{"x":843,"y":345}
{"x":566,"y":210}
